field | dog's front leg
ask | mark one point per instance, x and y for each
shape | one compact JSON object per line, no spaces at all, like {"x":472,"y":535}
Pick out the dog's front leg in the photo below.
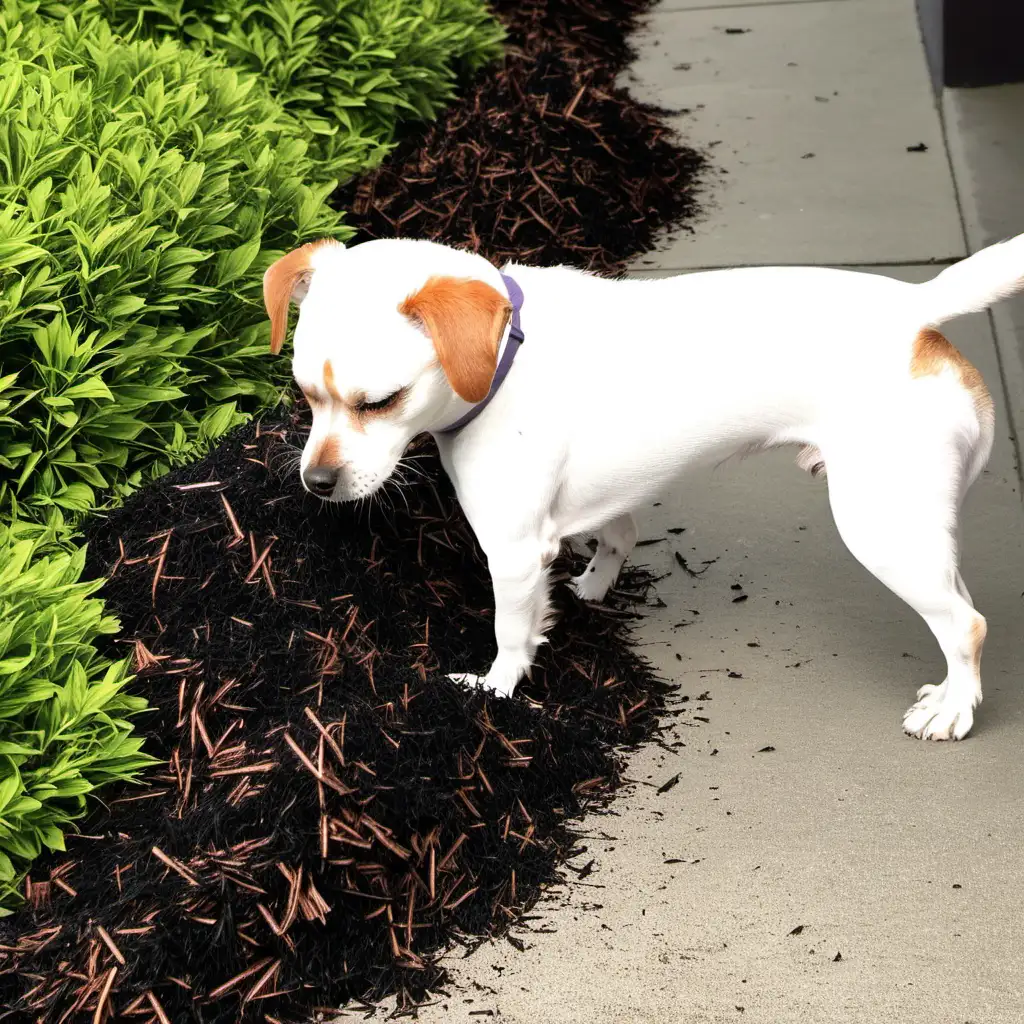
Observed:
{"x":520,"y":579}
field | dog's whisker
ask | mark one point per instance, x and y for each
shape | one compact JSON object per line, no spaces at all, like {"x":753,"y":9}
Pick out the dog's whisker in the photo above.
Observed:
{"x":383,"y":493}
{"x":404,"y":466}
{"x":397,"y":485}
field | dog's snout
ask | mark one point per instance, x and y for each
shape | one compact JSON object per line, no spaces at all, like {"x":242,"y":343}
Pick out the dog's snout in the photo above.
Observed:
{"x":321,"y":480}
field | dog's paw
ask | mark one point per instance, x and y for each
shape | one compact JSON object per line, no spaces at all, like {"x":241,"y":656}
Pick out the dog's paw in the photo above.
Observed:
{"x":591,"y":586}
{"x":475,"y":682}
{"x":936,"y":717}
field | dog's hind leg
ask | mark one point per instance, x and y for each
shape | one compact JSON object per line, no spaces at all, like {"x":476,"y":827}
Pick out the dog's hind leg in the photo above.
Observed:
{"x":899,"y":517}
{"x":614,"y":543}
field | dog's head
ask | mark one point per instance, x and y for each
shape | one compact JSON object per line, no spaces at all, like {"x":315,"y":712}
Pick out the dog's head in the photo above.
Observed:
{"x":394,"y":338}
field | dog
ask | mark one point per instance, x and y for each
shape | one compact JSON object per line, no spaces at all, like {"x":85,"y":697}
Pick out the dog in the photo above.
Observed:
{"x":561,"y":402}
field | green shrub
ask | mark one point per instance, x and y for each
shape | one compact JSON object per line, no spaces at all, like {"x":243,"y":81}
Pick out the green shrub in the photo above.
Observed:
{"x":63,"y":710}
{"x":145,"y":183}
{"x":143,"y":188}
{"x":349,"y":69}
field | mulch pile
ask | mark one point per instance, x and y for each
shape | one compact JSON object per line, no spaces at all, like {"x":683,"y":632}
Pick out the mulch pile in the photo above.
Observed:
{"x":544,"y":161}
{"x":334,"y":811}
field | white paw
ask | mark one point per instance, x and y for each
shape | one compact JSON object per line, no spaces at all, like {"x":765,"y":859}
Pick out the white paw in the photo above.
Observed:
{"x":467,"y":679}
{"x":936,"y":716}
{"x":591,"y":586}
{"x":473,"y":682}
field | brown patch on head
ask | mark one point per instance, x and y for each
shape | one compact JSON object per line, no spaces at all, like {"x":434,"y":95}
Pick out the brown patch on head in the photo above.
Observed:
{"x":329,"y":382}
{"x":353,"y":404}
{"x":287,"y":280}
{"x":933,"y":353}
{"x":329,"y":453}
{"x":465,"y":319}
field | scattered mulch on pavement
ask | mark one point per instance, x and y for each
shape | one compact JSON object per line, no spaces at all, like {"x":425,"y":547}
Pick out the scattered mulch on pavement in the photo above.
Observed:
{"x":544,"y":161}
{"x":333,"y":811}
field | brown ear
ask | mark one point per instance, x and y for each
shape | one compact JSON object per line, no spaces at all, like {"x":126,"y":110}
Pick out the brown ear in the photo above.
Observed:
{"x":465,"y":320}
{"x":286,"y":281}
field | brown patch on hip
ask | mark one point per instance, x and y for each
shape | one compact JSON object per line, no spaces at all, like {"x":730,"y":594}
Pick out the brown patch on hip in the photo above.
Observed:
{"x":934,"y":352}
{"x":978,"y":631}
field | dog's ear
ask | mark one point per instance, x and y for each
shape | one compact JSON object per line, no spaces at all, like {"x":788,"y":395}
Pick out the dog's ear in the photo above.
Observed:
{"x":286,"y":281}
{"x":465,"y":319}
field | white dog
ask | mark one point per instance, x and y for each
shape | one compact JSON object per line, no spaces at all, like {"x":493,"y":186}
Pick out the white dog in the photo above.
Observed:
{"x":621,"y":385}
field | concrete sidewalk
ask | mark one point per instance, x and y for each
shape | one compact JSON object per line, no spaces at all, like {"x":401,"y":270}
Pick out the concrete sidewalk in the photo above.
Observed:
{"x":813,"y":864}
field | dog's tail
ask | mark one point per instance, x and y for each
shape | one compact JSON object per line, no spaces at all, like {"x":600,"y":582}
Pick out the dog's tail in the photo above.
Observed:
{"x":975,"y":283}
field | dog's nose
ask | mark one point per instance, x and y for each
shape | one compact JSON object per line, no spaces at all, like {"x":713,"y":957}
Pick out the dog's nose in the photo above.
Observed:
{"x":321,"y":480}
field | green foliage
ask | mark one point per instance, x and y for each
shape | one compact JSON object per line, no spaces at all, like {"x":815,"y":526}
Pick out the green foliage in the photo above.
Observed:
{"x":62,"y":706}
{"x":143,"y":189}
{"x":145,"y":184}
{"x":349,"y":69}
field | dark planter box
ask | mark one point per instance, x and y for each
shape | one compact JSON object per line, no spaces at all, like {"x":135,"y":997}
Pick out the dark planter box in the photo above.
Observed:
{"x":973,"y":42}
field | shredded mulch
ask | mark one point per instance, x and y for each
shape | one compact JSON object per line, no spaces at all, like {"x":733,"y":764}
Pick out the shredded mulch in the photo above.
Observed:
{"x":333,"y":811}
{"x":546,"y":160}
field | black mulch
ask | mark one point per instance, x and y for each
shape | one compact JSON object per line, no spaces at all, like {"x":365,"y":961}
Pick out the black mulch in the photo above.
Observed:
{"x":334,"y":811}
{"x":544,"y":161}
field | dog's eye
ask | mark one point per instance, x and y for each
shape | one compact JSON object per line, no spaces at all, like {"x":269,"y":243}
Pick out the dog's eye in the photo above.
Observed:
{"x":380,"y":404}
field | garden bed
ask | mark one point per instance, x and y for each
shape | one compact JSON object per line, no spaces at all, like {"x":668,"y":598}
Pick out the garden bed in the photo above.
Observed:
{"x":331,"y":811}
{"x":545,"y":160}
{"x":153,"y":169}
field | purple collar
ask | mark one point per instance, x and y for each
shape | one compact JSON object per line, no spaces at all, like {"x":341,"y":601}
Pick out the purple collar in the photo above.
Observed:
{"x":515,"y":339}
